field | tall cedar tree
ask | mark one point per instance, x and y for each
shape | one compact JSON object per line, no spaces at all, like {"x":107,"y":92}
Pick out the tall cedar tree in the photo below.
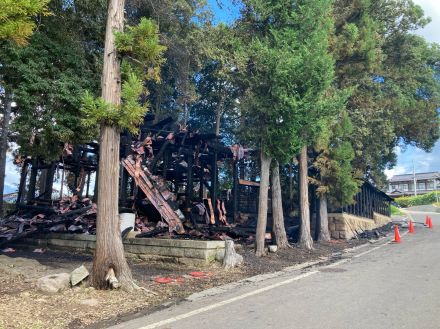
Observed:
{"x":335,"y":180}
{"x":392,"y":73}
{"x":131,"y":58}
{"x":288,"y":71}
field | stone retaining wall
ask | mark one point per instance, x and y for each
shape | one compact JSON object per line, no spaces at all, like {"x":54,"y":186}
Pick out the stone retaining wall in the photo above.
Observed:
{"x":182,"y":251}
{"x":347,"y":226}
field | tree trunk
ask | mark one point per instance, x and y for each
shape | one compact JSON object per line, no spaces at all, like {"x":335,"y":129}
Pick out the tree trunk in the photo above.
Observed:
{"x":305,"y":238}
{"x":110,"y":267}
{"x":262,"y":205}
{"x":324,"y":233}
{"x":218,"y":118}
{"x":277,"y":210}
{"x":4,"y":147}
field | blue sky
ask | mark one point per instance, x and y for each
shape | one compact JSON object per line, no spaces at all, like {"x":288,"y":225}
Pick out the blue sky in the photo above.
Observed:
{"x":225,"y":11}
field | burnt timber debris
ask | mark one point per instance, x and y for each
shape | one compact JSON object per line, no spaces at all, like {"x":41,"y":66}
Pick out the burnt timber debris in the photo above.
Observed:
{"x":170,"y":178}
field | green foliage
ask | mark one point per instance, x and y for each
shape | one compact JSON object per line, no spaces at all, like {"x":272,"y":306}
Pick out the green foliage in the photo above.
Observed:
{"x":140,"y":44}
{"x":419,"y":200}
{"x":395,"y":210}
{"x":182,"y":24}
{"x":392,"y":73}
{"x":48,"y":77}
{"x":142,"y":54}
{"x":336,"y":178}
{"x":288,"y":70}
{"x":16,"y":19}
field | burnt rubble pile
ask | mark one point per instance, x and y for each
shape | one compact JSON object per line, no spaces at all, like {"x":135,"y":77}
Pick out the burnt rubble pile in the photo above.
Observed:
{"x":68,"y":215}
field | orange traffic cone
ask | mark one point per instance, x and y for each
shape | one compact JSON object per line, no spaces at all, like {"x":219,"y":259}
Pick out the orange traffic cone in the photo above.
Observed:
{"x":396,"y":234}
{"x":411,"y":227}
{"x":427,"y":221}
{"x":430,"y":223}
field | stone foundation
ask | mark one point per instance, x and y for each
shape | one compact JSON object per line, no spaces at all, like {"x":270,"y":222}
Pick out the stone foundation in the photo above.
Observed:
{"x":181,"y":251}
{"x":347,"y":226}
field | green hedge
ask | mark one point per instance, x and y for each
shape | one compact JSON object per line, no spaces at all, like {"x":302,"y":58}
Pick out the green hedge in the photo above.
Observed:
{"x":395,"y":211}
{"x":420,"y":200}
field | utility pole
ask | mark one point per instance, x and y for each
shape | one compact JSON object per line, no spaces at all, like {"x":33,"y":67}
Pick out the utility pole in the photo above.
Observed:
{"x":435,"y":187}
{"x":415,"y":180}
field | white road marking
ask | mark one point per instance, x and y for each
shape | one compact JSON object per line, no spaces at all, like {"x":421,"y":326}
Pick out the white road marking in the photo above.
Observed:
{"x":340,"y":262}
{"x":258,"y":291}
{"x":228,"y":301}
{"x":368,"y":251}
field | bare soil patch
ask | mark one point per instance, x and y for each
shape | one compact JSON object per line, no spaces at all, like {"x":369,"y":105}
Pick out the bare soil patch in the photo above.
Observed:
{"x":24,"y":307}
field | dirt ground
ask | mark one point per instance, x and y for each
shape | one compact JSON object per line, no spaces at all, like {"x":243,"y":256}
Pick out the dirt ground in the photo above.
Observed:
{"x":24,"y":307}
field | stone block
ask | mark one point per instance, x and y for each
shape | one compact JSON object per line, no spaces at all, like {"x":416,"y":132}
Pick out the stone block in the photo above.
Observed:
{"x":78,"y":275}
{"x":340,"y":227}
{"x":54,"y":283}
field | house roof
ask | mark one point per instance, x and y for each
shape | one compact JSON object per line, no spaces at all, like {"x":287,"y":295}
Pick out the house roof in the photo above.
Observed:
{"x":419,"y":176}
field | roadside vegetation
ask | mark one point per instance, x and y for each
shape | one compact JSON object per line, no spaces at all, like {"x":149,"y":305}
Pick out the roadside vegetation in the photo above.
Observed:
{"x":419,"y":200}
{"x":395,"y":210}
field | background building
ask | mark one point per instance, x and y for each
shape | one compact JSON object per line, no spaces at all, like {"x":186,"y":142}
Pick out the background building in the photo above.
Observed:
{"x":400,"y":185}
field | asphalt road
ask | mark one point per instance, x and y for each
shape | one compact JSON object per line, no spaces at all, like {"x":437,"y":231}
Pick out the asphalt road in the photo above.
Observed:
{"x":382,"y":285}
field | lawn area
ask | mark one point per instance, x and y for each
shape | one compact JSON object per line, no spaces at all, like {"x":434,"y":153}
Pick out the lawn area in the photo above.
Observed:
{"x":395,"y":210}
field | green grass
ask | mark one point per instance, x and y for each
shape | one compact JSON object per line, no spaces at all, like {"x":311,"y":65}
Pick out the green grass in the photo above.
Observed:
{"x":437,"y":204}
{"x":420,"y":200}
{"x":395,"y":210}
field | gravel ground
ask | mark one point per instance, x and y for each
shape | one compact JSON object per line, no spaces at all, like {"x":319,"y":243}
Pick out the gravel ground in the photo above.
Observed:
{"x":24,"y":307}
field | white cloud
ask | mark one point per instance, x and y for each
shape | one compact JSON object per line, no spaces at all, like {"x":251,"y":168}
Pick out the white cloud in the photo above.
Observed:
{"x":432,"y":9}
{"x":398,"y":170}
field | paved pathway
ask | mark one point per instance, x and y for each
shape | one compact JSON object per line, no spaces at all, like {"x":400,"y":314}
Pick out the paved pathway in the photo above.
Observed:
{"x":382,"y":285}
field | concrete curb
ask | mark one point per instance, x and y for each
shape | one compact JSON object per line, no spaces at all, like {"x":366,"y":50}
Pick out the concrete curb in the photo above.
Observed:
{"x":333,"y":258}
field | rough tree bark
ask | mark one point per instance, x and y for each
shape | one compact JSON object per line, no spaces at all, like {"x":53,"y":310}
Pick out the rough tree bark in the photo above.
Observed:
{"x":110,"y":267}
{"x":324,"y":233}
{"x":305,"y":238}
{"x":277,"y":210}
{"x":4,"y":146}
{"x":262,"y":205}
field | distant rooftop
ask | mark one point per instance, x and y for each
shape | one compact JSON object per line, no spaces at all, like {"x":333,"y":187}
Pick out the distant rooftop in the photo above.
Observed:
{"x":419,"y":176}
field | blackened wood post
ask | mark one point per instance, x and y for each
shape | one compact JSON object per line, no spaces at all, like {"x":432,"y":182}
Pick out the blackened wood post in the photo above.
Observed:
{"x":22,"y":186}
{"x":189,"y":183}
{"x":166,"y":162}
{"x":124,"y":186}
{"x":201,"y":174}
{"x":235,"y":189}
{"x":364,"y":208}
{"x":214,"y":178}
{"x":32,"y":181}
{"x":49,"y":180}
{"x":371,"y":203}
{"x":95,"y":189}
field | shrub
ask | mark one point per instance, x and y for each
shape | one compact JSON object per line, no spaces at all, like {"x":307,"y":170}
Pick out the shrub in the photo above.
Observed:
{"x":420,"y":200}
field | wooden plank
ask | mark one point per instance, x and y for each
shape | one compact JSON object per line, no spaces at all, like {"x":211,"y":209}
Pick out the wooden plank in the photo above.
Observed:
{"x":154,"y":196}
{"x":248,"y":183}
